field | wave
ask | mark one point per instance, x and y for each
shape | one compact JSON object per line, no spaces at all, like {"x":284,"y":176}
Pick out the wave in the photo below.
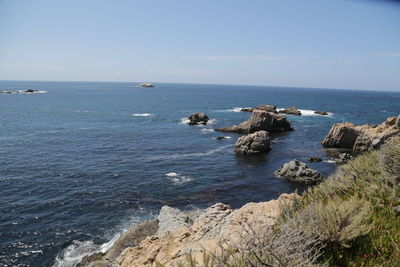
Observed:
{"x":141,"y":114}
{"x":34,"y":92}
{"x":207,"y":130}
{"x":236,"y":109}
{"x":309,"y":112}
{"x":178,"y":178}
{"x":329,"y":161}
{"x":185,"y":120}
{"x":186,"y":155}
{"x":75,"y":252}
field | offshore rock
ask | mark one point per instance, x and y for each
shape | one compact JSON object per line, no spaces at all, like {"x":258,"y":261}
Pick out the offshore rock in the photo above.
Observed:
{"x":299,"y":172}
{"x":321,"y":112}
{"x":269,"y":108}
{"x":361,"y":138}
{"x":260,"y":120}
{"x":290,"y":110}
{"x":254,"y":143}
{"x":198,"y":118}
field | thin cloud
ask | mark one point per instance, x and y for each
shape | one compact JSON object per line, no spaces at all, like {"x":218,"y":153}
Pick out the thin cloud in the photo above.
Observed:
{"x":30,"y":66}
{"x":333,"y":62}
{"x":241,"y":58}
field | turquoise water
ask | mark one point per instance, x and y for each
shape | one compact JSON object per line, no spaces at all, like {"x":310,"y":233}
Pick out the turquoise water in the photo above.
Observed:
{"x":84,"y":161}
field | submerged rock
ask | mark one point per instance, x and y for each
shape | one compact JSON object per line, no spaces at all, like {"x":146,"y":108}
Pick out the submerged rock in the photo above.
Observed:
{"x":269,"y":108}
{"x":290,"y":110}
{"x":253,"y":143}
{"x":321,"y":112}
{"x":220,"y":138}
{"x":361,"y":138}
{"x":314,"y":159}
{"x":299,"y":172}
{"x":260,"y":120}
{"x":5,"y":92}
{"x":198,"y":118}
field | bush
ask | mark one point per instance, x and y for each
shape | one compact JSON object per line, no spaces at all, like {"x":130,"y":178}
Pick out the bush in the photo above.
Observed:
{"x":390,"y":158}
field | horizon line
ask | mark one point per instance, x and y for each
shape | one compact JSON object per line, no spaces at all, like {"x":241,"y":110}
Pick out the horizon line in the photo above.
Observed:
{"x":255,"y":85}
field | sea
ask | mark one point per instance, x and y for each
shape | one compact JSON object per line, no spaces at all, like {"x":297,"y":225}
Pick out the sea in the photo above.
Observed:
{"x":81,"y":162}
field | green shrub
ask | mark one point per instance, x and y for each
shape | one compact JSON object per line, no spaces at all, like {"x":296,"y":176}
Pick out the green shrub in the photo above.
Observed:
{"x":390,"y":158}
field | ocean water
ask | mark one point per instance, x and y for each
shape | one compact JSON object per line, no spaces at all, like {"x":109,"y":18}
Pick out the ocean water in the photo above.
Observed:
{"x":83,"y":161}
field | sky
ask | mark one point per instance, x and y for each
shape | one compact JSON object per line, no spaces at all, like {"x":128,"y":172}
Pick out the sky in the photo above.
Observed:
{"x":352,"y":44}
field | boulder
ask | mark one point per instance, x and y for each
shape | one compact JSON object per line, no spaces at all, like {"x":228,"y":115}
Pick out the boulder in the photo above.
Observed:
{"x":321,"y":112}
{"x":299,"y":172}
{"x":314,"y":159}
{"x":220,"y":138}
{"x":198,"y":118}
{"x":260,"y":120}
{"x":269,"y":108}
{"x":363,"y":137}
{"x":343,"y":158}
{"x":254,"y":143}
{"x":290,"y":110}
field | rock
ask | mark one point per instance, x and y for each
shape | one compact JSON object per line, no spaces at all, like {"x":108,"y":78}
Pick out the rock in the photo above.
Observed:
{"x":321,"y":112}
{"x":343,"y":158}
{"x":215,"y":226}
{"x":28,"y":91}
{"x":198,"y":118}
{"x":397,"y":209}
{"x":220,"y":138}
{"x":171,"y":218}
{"x":314,"y":159}
{"x":290,"y":110}
{"x":361,"y":138}
{"x":299,"y":172}
{"x":146,"y":85}
{"x":253,"y":143}
{"x":5,"y":92}
{"x":268,"y":108}
{"x":260,"y":120}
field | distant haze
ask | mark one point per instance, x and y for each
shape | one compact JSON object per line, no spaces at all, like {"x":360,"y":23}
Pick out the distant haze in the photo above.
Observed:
{"x":310,"y":43}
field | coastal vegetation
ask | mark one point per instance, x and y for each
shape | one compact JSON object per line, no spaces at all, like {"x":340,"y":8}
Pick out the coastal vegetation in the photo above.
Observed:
{"x":350,"y":219}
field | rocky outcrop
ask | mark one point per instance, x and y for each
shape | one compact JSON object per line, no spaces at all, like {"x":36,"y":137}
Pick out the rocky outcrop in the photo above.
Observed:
{"x":146,"y":85}
{"x":215,"y":224}
{"x":198,"y":118}
{"x":290,"y":110}
{"x":253,"y":143}
{"x":343,"y":158}
{"x":314,"y":159}
{"x":260,"y":120}
{"x":298,"y":172}
{"x":269,"y":108}
{"x":363,"y":137}
{"x":321,"y":112}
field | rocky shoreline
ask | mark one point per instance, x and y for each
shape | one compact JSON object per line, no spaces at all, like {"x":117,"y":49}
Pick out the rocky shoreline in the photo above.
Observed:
{"x":175,"y":234}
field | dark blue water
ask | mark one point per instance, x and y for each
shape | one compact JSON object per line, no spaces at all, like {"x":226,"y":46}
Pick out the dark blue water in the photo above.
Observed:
{"x":76,"y":167}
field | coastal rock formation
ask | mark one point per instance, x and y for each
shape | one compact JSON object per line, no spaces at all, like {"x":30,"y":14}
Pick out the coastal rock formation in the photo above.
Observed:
{"x":269,"y":108}
{"x":290,"y":110}
{"x":253,"y":143}
{"x":198,"y":118}
{"x":343,"y":158}
{"x":260,"y":120}
{"x":321,"y":112}
{"x":361,"y":138}
{"x":299,"y":172}
{"x":146,"y":85}
{"x":215,"y":224}
{"x":314,"y":159}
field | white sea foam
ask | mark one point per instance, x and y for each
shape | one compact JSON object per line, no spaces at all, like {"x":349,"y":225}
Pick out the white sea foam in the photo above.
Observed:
{"x":177,"y":178}
{"x":75,"y":252}
{"x":228,"y":137}
{"x":186,"y":155}
{"x":308,"y":112}
{"x":207,"y":130}
{"x":142,"y":114}
{"x":329,"y":161}
{"x":185,"y":120}
{"x":34,"y":92}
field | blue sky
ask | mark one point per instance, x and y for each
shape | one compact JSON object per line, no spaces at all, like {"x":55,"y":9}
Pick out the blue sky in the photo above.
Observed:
{"x":311,"y":43}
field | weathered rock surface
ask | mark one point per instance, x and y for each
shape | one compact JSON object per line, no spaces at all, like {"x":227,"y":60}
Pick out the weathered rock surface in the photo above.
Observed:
{"x":361,"y":138}
{"x":269,"y":108}
{"x":321,"y":112}
{"x":198,"y":118}
{"x":171,"y":218}
{"x":260,"y":120}
{"x":217,"y":223}
{"x":343,"y":158}
{"x":299,"y":172}
{"x":290,"y":110}
{"x":254,"y":143}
